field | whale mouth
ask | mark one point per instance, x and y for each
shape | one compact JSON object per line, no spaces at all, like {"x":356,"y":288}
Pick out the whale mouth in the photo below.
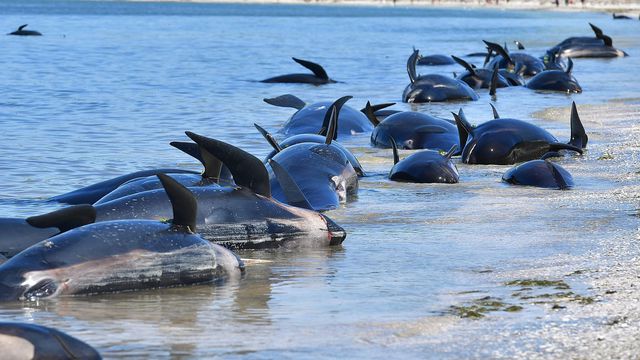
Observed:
{"x":10,"y":293}
{"x":336,"y":233}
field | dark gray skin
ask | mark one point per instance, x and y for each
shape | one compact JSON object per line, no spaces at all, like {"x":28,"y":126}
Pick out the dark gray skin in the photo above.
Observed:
{"x":236,"y":218}
{"x":479,"y":78}
{"x":539,"y":173}
{"x":600,"y":46}
{"x":151,"y":183}
{"x":22,"y":32}
{"x":318,"y":139}
{"x":434,"y":87}
{"x":621,"y":17}
{"x":506,"y":141}
{"x":31,"y":341}
{"x":532,"y":65}
{"x":426,"y":166}
{"x":92,"y":193}
{"x":555,"y":80}
{"x":435,"y":60}
{"x":412,"y":130}
{"x":114,"y":256}
{"x":319,"y":76}
{"x":309,"y":118}
{"x":321,"y":171}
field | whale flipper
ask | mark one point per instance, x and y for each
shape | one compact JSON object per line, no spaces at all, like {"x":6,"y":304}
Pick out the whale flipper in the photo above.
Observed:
{"x":184,"y":204}
{"x":291,"y":191}
{"x":286,"y":100}
{"x":247,"y":170}
{"x":494,"y":82}
{"x":579,"y":137}
{"x":464,"y":64}
{"x":451,"y":151}
{"x":212,"y":165}
{"x":65,"y":219}
{"x":561,"y":146}
{"x":270,"y":139}
{"x":316,"y":69}
{"x":411,"y":65}
{"x":327,"y":116}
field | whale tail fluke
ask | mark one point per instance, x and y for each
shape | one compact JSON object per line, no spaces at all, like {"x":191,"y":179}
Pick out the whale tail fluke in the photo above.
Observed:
{"x":370,"y":114}
{"x":247,"y":170}
{"x":286,"y":100}
{"x":65,"y":219}
{"x":290,"y":189}
{"x":499,"y":50}
{"x":579,"y":136}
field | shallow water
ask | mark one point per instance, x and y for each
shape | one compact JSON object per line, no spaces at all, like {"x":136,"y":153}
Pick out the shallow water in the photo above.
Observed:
{"x":111,"y":84}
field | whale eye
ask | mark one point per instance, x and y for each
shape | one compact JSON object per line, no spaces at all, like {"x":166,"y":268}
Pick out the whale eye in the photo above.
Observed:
{"x":42,"y":289}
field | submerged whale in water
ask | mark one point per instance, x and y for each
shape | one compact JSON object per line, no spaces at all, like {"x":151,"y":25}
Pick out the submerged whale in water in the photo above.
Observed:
{"x":426,"y":166}
{"x":322,"y":172}
{"x":556,"y":80}
{"x":311,"y":138}
{"x":504,"y":141}
{"x":244,"y":216}
{"x":120,"y":255}
{"x":480,"y":78}
{"x":214,"y":172}
{"x":92,"y":193}
{"x":600,"y":46}
{"x":319,"y":76}
{"x":413,"y":130}
{"x":31,"y":341}
{"x":22,"y":32}
{"x":434,"y":87}
{"x":539,"y":173}
{"x":310,"y":118}
{"x":531,"y":65}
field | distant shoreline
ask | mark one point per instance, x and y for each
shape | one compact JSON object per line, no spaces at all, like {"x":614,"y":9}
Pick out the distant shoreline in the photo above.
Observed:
{"x":626,"y":7}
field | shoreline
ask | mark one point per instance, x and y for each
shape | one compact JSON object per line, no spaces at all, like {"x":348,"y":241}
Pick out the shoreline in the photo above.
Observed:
{"x":628,"y":8}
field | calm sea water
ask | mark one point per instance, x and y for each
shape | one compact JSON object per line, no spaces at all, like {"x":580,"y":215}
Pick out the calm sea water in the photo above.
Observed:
{"x":112,"y":83}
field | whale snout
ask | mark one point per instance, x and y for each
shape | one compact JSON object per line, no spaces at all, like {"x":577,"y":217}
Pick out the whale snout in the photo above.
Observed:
{"x":336,"y":233}
{"x":10,"y":293}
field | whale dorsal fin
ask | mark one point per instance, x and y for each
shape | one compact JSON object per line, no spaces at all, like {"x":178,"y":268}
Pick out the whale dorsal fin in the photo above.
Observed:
{"x":569,"y":66}
{"x":519,"y":45}
{"x":579,"y":137}
{"x":184,"y":204}
{"x":65,"y":219}
{"x":451,"y":151}
{"x":499,"y":50}
{"x":332,"y":130}
{"x":247,"y":170}
{"x":270,"y":139}
{"x":394,"y":147}
{"x":23,"y":26}
{"x":597,"y":31}
{"x":494,"y":83}
{"x":411,"y":65}
{"x":290,"y":189}
{"x":370,"y":114}
{"x":327,"y":116}
{"x":464,"y":128}
{"x":286,"y":100}
{"x":316,"y":69}
{"x":464,"y":64}
{"x":495,"y":112}
{"x":212,"y":165}
{"x":562,"y":184}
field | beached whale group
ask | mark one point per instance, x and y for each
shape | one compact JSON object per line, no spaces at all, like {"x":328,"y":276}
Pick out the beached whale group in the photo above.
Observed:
{"x":173,"y":227}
